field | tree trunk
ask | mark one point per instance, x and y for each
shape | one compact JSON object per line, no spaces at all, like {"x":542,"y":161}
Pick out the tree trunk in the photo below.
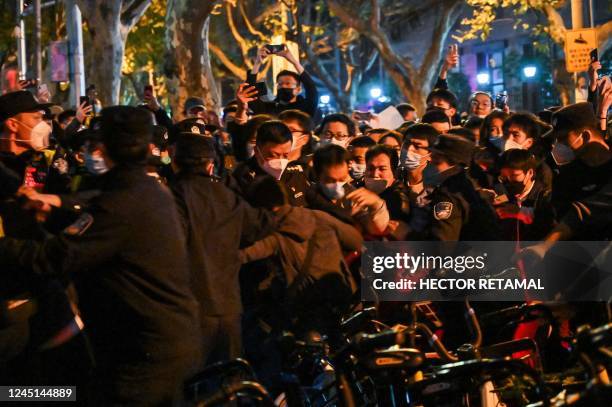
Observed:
{"x":109,"y":23}
{"x":188,"y":67}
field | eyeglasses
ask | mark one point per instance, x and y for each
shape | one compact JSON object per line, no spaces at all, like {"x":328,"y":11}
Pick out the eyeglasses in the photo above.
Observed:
{"x":337,"y":136}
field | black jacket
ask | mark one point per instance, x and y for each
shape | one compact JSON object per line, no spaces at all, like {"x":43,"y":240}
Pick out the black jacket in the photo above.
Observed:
{"x":459,"y":212}
{"x":307,"y":104}
{"x":217,"y":223}
{"x":128,"y":258}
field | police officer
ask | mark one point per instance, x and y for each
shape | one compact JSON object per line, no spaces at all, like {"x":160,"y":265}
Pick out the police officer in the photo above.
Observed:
{"x":272,"y":148}
{"x":214,"y":217}
{"x":458,"y":211}
{"x":128,"y":259}
{"x":583,"y":158}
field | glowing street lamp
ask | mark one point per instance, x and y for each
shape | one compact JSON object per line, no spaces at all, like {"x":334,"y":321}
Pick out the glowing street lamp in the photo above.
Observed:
{"x":324,"y":99}
{"x":375,"y":92}
{"x":483,"y":78}
{"x":530,"y":71}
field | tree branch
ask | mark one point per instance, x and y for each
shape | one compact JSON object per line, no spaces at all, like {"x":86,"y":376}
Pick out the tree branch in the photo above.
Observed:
{"x":451,"y":12}
{"x":244,"y":48}
{"x":227,"y":62}
{"x":132,"y":11}
{"x":557,"y":26}
{"x":249,"y":25}
{"x":604,"y":35}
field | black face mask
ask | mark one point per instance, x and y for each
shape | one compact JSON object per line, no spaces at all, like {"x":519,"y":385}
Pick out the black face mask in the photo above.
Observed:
{"x":514,"y":188}
{"x":284,"y":94}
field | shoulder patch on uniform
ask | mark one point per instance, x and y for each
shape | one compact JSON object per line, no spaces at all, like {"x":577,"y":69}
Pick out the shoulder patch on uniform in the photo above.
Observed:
{"x":80,"y":225}
{"x":295,"y":167}
{"x":443,"y":210}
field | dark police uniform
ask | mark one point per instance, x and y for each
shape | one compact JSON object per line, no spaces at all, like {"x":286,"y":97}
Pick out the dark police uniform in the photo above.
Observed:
{"x":293,"y":178}
{"x":128,"y":258}
{"x":215,"y":218}
{"x":458,"y":212}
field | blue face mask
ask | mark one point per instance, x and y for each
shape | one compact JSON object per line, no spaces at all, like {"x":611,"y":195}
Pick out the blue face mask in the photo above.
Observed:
{"x":334,"y":190}
{"x":95,"y":164}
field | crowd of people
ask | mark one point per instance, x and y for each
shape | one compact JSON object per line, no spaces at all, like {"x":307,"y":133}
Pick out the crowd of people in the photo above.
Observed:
{"x":136,"y":249}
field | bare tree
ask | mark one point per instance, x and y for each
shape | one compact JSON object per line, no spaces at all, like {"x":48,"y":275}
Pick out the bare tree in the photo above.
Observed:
{"x":108,"y":24}
{"x":413,"y":81}
{"x":187,"y":65}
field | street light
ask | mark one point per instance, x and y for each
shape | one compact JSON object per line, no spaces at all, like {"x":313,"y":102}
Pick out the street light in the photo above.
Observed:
{"x":530,"y":71}
{"x":324,"y":99}
{"x":383,"y":99}
{"x":483,"y":78}
{"x":375,"y":92}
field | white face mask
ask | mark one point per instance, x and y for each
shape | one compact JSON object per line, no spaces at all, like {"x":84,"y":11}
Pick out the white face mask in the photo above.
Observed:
{"x":376,"y":185}
{"x":412,"y":160}
{"x":275,"y":166}
{"x":562,"y":154}
{"x":341,"y":143}
{"x":357,"y":171}
{"x":511,"y":144}
{"x":333,"y":190}
{"x":39,"y":136}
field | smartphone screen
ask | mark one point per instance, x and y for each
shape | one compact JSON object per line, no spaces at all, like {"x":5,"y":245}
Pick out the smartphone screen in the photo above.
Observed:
{"x":275,"y":48}
{"x":594,"y":55}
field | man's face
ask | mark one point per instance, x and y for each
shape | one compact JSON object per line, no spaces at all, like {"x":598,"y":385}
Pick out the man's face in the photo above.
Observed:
{"x":300,"y":137}
{"x":359,"y":154}
{"x":441,"y":127}
{"x":270,"y":151}
{"x":379,"y":167}
{"x":481,"y":105}
{"x":64,"y":123}
{"x":410,"y":116}
{"x":417,"y":146}
{"x":22,"y":124}
{"x":439,"y":161}
{"x":335,"y":173}
{"x":515,"y":175}
{"x":289,"y":82}
{"x":197,"y":112}
{"x":392,"y":143}
{"x":517,"y":135}
{"x":337,"y":131}
{"x":442,"y":104}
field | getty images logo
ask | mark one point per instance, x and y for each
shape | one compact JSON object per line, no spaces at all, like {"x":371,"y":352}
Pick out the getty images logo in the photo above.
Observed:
{"x":409,"y":263}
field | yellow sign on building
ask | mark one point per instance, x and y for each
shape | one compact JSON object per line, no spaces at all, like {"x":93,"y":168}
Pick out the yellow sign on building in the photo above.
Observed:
{"x":578,"y":45}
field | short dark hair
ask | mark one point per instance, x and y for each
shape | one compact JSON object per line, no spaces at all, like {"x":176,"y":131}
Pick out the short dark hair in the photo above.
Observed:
{"x":381,"y":149}
{"x":266,"y":192}
{"x":435,"y":115}
{"x":302,"y":118}
{"x":473,"y":123}
{"x":422,"y":131}
{"x":404,"y":108}
{"x":482,"y":92}
{"x":251,"y":126}
{"x":286,"y":72}
{"x":274,"y":132}
{"x":393,"y":135}
{"x":444,"y":94}
{"x":463,"y":132}
{"x":527,"y":122}
{"x":329,"y":156}
{"x":126,"y":133}
{"x":486,"y":122}
{"x":66,"y":114}
{"x":361,"y":142}
{"x":518,"y":159}
{"x":339,"y":117}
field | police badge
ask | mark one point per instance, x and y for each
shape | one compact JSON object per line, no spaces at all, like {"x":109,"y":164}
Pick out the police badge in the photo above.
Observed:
{"x":443,"y":210}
